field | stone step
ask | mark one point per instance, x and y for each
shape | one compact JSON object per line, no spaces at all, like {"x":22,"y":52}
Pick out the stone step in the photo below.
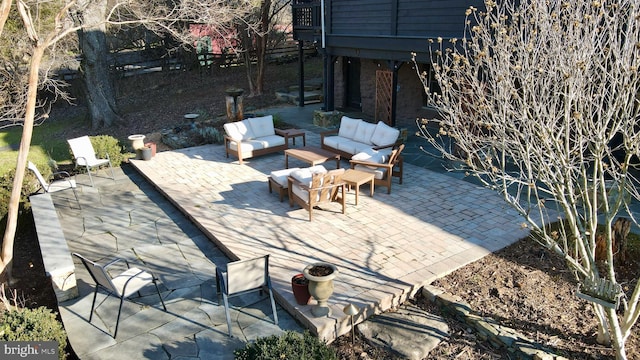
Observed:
{"x":410,"y":332}
{"x":310,"y":97}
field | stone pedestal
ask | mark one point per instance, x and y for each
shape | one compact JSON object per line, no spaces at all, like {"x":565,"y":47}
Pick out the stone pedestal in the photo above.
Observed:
{"x":235,"y":109}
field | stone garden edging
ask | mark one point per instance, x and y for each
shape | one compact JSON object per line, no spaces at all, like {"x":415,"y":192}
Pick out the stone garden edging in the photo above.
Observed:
{"x":487,"y":328}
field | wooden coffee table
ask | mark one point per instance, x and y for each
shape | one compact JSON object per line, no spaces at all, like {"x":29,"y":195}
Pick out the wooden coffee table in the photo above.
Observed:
{"x":311,"y":155}
{"x":356,"y":178}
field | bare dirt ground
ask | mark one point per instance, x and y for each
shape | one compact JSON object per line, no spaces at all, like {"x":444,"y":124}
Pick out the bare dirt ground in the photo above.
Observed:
{"x":523,"y":286}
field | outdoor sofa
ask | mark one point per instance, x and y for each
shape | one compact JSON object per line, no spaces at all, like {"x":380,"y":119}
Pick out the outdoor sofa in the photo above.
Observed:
{"x":356,"y":135}
{"x":252,"y":137}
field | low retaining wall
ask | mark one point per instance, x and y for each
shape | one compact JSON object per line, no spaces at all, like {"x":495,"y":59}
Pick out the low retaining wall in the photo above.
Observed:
{"x":489,"y":329}
{"x":56,"y":257}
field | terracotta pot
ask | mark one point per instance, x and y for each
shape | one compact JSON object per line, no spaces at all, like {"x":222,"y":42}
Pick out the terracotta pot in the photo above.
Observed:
{"x":321,"y":286}
{"x":300,"y":286}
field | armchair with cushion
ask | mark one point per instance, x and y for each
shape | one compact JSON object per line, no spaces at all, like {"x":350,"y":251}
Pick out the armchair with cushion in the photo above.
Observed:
{"x":308,"y":189}
{"x":385,"y":165}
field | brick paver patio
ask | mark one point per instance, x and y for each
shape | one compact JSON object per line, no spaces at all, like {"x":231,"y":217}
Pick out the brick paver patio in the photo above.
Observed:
{"x":385,"y":248}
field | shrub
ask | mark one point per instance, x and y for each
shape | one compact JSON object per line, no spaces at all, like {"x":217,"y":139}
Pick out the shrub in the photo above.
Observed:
{"x":105,"y":144}
{"x":278,"y":123}
{"x":29,"y":186}
{"x":290,"y":345}
{"x":210,"y":135}
{"x":38,"y":324}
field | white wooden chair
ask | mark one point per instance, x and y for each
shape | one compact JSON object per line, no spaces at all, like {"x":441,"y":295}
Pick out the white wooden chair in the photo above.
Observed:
{"x":56,"y":185}
{"x":85,"y":155}
{"x":122,"y":285}
{"x":310,"y":190}
{"x":383,"y":172}
{"x":242,"y":277}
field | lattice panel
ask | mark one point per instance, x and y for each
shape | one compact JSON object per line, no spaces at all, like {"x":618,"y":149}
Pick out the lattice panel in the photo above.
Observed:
{"x":384,"y":99}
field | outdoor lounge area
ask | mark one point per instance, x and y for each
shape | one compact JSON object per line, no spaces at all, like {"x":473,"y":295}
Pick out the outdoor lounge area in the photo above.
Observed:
{"x":385,"y":247}
{"x":380,"y":262}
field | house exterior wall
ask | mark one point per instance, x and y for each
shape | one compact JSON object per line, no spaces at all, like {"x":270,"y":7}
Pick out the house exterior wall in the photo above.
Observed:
{"x":383,"y":32}
{"x":409,"y":100}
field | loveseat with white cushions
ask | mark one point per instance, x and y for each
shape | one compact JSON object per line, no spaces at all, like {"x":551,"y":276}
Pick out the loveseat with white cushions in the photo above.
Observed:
{"x":356,"y":135}
{"x":252,"y":137}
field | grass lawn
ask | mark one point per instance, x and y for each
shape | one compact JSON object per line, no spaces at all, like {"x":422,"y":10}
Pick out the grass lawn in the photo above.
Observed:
{"x":47,"y":143}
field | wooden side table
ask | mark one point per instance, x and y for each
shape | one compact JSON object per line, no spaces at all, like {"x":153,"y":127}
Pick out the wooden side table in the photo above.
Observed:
{"x":292,"y":134}
{"x":356,"y":178}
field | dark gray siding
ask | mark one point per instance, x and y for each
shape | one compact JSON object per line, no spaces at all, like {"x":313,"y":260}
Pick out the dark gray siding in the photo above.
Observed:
{"x":414,"y":18}
{"x":432,"y":18}
{"x":361,"y":17}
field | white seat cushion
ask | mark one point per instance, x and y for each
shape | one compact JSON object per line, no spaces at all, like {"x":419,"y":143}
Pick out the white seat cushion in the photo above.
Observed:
{"x":269,"y":141}
{"x":377,"y":172}
{"x":384,"y":135}
{"x":364,"y":132}
{"x":333,"y":141}
{"x":348,"y":127}
{"x":351,"y":146}
{"x":247,"y":145}
{"x":261,"y":126}
{"x":304,"y":175}
{"x":280,"y":176}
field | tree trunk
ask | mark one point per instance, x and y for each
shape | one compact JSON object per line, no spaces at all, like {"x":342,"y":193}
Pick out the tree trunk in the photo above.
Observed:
{"x":261,"y":45}
{"x":21,"y":165}
{"x":245,"y":40}
{"x":618,"y":339}
{"x":98,"y":84}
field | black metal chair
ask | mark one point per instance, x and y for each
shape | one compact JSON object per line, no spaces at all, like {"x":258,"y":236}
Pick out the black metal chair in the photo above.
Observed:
{"x":122,"y":286}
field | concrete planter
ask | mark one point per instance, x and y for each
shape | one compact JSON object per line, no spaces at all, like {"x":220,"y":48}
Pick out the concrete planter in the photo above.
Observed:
{"x":320,"y":276}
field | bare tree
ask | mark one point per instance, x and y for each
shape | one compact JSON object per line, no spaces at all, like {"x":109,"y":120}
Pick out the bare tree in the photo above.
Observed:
{"x":539,"y":101}
{"x":38,"y":27}
{"x":254,"y":33}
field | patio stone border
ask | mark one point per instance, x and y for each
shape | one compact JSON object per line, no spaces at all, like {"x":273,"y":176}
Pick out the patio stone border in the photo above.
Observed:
{"x":56,"y":256}
{"x":489,"y":329}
